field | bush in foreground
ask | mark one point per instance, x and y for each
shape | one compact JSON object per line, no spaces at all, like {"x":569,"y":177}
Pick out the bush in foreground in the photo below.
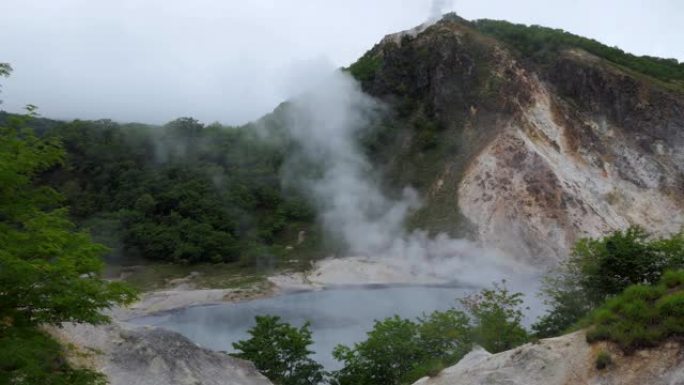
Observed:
{"x":281,"y":352}
{"x":400,"y":351}
{"x":600,"y":269}
{"x":603,"y":360}
{"x":49,"y":273}
{"x":642,"y":316}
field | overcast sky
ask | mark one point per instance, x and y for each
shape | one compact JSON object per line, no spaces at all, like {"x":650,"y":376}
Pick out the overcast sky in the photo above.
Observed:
{"x":231,"y":61}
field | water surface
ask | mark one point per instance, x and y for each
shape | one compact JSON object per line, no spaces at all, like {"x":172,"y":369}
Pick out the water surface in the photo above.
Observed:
{"x":337,"y":316}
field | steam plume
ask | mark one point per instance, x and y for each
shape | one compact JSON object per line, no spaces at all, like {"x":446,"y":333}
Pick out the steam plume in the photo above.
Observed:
{"x":438,"y":8}
{"x":325,"y":121}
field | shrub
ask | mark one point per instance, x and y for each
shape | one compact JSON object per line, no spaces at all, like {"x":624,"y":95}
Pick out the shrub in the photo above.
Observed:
{"x":390,"y":352}
{"x":497,"y":318}
{"x":603,"y":268}
{"x":642,"y":316}
{"x":281,"y":352}
{"x":400,"y":351}
{"x":603,"y":360}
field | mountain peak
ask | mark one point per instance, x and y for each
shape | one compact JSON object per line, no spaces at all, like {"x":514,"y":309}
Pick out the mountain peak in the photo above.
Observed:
{"x":584,"y":138}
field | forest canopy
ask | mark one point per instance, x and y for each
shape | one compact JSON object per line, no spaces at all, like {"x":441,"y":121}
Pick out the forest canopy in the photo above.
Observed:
{"x":184,"y":192}
{"x":543,"y":44}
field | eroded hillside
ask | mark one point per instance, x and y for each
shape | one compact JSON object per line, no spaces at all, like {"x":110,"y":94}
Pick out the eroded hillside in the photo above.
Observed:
{"x":523,"y":154}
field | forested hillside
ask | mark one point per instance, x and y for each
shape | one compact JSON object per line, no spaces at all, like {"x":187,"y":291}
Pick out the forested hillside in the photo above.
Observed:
{"x":189,"y":192}
{"x":543,"y":44}
{"x":184,"y":192}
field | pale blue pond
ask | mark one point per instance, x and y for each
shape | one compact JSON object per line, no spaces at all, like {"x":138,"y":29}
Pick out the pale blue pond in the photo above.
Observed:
{"x":336,"y":315}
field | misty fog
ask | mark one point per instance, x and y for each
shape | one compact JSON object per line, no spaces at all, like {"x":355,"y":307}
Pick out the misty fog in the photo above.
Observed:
{"x":155,"y":61}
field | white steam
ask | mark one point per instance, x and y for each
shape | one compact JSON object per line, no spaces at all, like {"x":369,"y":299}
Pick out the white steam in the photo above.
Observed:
{"x":325,"y":122}
{"x":438,"y":8}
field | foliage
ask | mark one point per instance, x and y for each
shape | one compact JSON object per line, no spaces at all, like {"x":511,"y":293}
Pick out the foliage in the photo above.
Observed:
{"x":642,"y":315}
{"x":28,"y":356}
{"x":603,"y":360}
{"x":388,"y":354}
{"x":184,"y":192}
{"x":445,"y":335}
{"x":364,"y":69}
{"x":400,"y":351}
{"x":601,"y":268}
{"x":624,"y":258}
{"x":497,"y":318}
{"x":567,"y":305}
{"x":49,"y":273}
{"x":5,"y":70}
{"x":543,"y":44}
{"x":280,"y":352}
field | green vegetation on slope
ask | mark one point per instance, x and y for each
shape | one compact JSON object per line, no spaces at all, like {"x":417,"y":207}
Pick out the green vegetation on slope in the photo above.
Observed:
{"x":425,"y":138}
{"x":642,"y":316}
{"x":600,"y":269}
{"x":364,"y":69}
{"x":543,"y":44}
{"x":49,"y":273}
{"x":184,"y":192}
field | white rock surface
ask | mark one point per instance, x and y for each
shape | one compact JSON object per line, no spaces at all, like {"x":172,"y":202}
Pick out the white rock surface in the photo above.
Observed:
{"x":561,"y":190}
{"x":151,"y":356}
{"x":565,"y":360}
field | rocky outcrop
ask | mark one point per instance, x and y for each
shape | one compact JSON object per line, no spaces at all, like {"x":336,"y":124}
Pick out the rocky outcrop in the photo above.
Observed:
{"x":571,"y":174}
{"x":150,"y":356}
{"x":530,"y":157}
{"x":566,"y":360}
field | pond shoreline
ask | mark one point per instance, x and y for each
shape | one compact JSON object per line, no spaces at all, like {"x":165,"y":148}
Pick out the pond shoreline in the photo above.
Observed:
{"x":327,"y":274}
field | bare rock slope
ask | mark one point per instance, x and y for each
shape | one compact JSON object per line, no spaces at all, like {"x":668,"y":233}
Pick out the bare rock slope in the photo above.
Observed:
{"x":150,"y":356}
{"x":566,"y":360}
{"x":526,"y":156}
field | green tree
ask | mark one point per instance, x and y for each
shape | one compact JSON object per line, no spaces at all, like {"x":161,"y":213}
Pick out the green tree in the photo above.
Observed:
{"x":567,"y":302}
{"x":400,"y":351}
{"x":5,"y":69}
{"x":445,"y":335}
{"x":385,"y":357}
{"x":49,"y":273}
{"x":209,"y":193}
{"x":497,"y":318}
{"x":619,"y":260}
{"x":281,"y":352}
{"x":599,"y":269}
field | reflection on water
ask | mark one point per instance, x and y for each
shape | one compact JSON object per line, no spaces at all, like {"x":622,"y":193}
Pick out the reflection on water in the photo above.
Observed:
{"x":336,"y":316}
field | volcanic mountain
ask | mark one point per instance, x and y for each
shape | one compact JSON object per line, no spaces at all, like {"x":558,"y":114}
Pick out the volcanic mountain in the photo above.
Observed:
{"x":527,"y":138}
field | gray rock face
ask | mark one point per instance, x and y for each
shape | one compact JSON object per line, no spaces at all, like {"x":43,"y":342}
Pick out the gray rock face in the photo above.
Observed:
{"x":566,"y":360}
{"x":150,"y":356}
{"x":526,"y":157}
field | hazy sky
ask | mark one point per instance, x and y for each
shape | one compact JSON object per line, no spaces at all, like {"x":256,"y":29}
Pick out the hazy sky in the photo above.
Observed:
{"x":230,"y":60}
